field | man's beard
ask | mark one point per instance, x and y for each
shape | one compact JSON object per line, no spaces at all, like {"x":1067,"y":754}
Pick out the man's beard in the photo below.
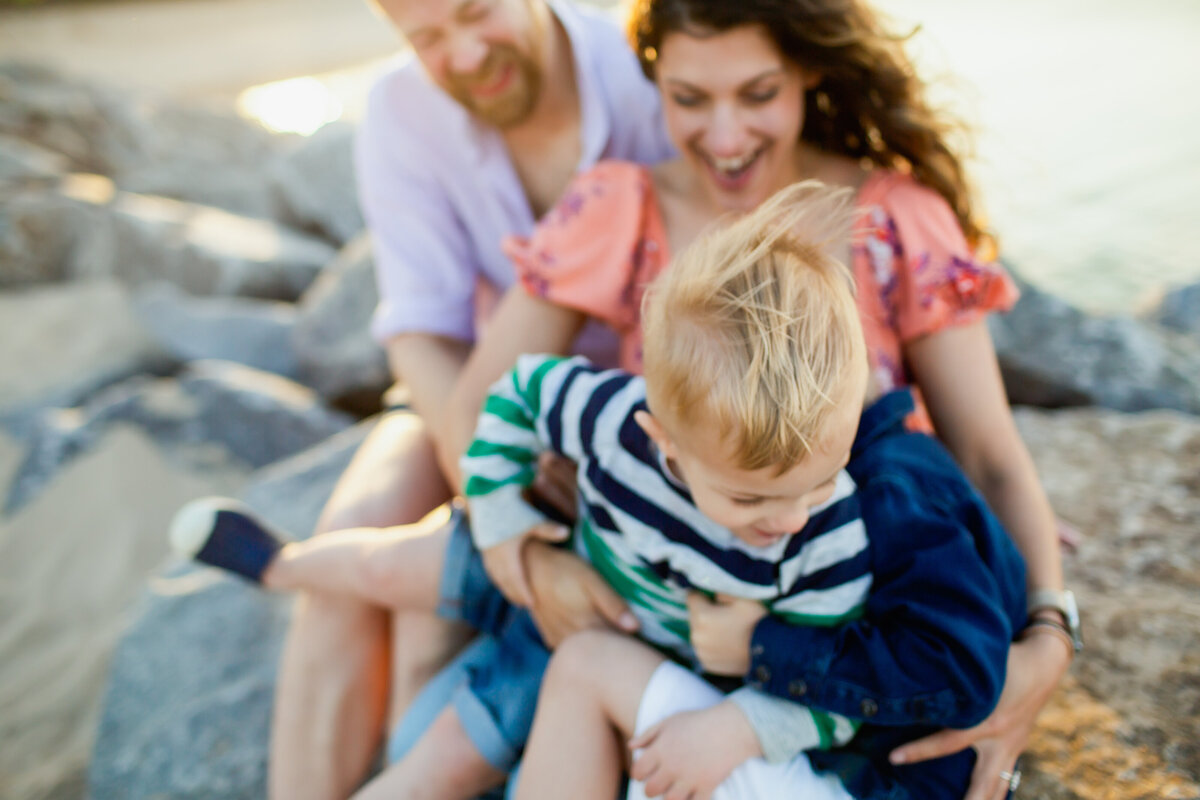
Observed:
{"x":515,"y":103}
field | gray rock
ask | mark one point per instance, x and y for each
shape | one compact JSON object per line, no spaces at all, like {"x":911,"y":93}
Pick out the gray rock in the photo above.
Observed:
{"x":1052,"y":354}
{"x":187,"y":710}
{"x":62,"y":343}
{"x":86,"y":228}
{"x":316,"y":185}
{"x":255,"y":333}
{"x":148,"y":144}
{"x":1180,"y":309}
{"x":214,"y":411}
{"x":332,"y":338}
{"x":22,"y":161}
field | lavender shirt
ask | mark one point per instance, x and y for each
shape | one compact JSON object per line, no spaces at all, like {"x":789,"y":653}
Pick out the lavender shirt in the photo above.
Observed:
{"x":439,"y":192}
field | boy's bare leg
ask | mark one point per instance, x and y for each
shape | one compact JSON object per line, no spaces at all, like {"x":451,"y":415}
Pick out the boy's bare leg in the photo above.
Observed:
{"x":587,"y":711}
{"x":332,"y":694}
{"x":442,"y":765}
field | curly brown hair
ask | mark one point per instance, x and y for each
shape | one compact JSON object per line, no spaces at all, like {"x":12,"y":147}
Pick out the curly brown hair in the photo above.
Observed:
{"x":869,"y":105}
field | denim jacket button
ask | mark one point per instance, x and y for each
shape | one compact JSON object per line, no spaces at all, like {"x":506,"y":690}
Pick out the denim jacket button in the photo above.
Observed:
{"x":869,"y":707}
{"x":762,"y":673}
{"x":797,"y":688}
{"x":756,"y":650}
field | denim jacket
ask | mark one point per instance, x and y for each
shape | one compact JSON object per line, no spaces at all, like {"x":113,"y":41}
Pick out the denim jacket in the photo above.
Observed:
{"x":930,"y":651}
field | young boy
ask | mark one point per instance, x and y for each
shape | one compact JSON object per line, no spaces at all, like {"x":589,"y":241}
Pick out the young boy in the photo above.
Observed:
{"x":733,"y":470}
{"x":880,"y":588}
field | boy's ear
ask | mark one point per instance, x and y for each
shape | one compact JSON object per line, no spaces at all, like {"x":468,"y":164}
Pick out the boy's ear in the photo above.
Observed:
{"x":655,"y":431}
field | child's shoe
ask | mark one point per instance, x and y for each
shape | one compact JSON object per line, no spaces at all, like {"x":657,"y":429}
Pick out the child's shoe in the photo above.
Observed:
{"x":222,"y":532}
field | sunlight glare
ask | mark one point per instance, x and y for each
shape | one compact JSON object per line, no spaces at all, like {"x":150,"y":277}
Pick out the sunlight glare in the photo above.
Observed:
{"x":296,"y":105}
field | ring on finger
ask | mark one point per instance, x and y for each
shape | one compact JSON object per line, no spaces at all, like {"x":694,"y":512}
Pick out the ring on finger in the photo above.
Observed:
{"x":1012,"y":778}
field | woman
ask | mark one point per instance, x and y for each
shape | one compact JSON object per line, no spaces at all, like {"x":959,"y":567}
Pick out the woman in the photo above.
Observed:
{"x":758,"y":95}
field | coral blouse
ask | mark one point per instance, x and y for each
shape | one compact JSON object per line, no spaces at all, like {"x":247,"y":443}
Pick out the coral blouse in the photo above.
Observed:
{"x":604,"y":242}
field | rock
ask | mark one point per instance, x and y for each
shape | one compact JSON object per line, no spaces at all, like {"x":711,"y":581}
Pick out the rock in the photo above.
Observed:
{"x":201,"y":249}
{"x":1052,"y":354}
{"x":332,"y":337}
{"x":38,"y":231}
{"x":1131,"y":485}
{"x":255,"y":333}
{"x":316,"y":184}
{"x":214,"y":410}
{"x":22,"y":161}
{"x":148,"y":144}
{"x":62,"y":343}
{"x":187,"y":710}
{"x":72,"y":563}
{"x":1180,"y":309}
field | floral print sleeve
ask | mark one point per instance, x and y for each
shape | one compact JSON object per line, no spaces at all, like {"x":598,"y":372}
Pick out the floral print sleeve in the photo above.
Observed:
{"x":587,"y":252}
{"x":928,"y":277}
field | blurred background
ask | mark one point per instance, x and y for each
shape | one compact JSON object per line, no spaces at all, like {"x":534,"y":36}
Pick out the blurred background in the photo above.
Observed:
{"x":1085,"y":111}
{"x":184,"y":287}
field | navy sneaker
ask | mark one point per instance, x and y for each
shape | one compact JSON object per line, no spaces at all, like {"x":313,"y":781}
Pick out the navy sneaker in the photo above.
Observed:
{"x":222,"y":532}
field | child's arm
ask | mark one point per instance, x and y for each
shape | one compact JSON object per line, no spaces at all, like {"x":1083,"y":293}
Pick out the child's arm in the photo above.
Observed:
{"x":526,"y":413}
{"x":931,"y":645}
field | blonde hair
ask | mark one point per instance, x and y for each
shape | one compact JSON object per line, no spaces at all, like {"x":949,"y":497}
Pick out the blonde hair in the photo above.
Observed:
{"x":754,"y":328}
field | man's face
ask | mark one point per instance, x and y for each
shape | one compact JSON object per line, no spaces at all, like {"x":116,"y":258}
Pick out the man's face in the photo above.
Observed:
{"x":486,"y":54}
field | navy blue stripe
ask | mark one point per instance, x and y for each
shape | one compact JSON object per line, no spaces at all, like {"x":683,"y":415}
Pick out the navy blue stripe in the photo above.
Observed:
{"x":851,"y":569}
{"x":840,"y":513}
{"x":601,"y":395}
{"x":554,"y":416}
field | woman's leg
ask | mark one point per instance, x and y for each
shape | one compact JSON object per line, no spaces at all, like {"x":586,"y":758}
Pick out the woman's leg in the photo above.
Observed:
{"x":334,"y":678}
{"x":586,"y":712}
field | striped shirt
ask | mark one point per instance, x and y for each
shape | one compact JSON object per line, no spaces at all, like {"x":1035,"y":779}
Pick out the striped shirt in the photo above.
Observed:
{"x":641,"y":531}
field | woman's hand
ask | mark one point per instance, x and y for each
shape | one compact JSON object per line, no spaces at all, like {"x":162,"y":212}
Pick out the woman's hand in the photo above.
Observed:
{"x":505,"y":563}
{"x":688,"y":755}
{"x":555,"y":483}
{"x":569,"y":596}
{"x":721,"y":630}
{"x":1035,"y":666}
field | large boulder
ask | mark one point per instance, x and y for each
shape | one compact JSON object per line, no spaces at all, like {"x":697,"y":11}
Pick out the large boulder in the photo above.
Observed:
{"x":72,"y":564}
{"x":316,"y":184}
{"x":85,"y":228}
{"x":62,"y":343}
{"x":1129,"y":723}
{"x":214,"y":409}
{"x":1052,"y":354}
{"x":147,"y":144}
{"x":188,"y":705}
{"x":1180,"y":309}
{"x":332,"y":337}
{"x":248,"y":331}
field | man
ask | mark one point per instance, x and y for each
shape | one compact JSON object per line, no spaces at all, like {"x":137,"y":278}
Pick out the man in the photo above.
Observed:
{"x":468,"y":141}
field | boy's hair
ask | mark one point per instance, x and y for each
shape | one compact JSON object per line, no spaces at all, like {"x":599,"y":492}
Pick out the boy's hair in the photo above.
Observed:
{"x":754,"y":328}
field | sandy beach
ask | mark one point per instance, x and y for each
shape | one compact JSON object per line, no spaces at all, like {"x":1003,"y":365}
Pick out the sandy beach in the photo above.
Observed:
{"x":1088,"y":160}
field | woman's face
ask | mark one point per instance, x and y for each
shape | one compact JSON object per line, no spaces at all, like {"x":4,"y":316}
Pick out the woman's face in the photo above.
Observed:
{"x":734,"y":108}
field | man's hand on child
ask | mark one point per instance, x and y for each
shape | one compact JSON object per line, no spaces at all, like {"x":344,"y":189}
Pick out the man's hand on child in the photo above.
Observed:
{"x":721,"y":630}
{"x":569,"y":596}
{"x":555,"y":482}
{"x":689,"y":754}
{"x":505,"y":562}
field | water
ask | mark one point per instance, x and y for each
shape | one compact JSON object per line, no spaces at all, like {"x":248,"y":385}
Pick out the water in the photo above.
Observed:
{"x":1088,"y":151}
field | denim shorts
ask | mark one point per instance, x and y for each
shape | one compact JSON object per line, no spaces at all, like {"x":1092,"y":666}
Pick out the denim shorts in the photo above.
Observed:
{"x":493,"y":685}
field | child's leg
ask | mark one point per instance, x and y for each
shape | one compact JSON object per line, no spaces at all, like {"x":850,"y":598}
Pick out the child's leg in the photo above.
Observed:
{"x":585,"y":714}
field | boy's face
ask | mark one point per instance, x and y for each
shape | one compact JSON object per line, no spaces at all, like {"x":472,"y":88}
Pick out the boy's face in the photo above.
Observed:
{"x":760,"y":507}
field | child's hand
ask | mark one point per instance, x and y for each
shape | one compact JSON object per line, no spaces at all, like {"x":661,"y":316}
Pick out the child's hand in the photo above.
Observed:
{"x":691,"y":753}
{"x":505,"y":563}
{"x":721,"y":631}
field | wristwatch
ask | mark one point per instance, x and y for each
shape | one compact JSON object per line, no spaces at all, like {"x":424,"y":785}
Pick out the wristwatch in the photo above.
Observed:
{"x":1064,"y":603}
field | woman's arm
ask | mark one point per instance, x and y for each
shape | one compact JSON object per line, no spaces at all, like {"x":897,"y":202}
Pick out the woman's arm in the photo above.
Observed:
{"x":958,"y":375}
{"x":521,"y":324}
